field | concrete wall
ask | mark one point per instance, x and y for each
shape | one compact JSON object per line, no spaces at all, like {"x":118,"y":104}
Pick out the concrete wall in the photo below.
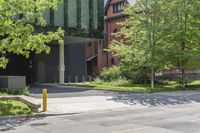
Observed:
{"x":19,"y":66}
{"x":13,"y":82}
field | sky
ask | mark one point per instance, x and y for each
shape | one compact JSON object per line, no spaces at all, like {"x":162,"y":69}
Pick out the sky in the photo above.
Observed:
{"x":105,"y":2}
{"x":130,"y":1}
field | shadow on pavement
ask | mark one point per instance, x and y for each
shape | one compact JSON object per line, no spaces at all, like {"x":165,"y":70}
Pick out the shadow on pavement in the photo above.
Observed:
{"x":37,"y":89}
{"x":11,"y":123}
{"x":130,"y":98}
{"x":57,"y":91}
{"x":8,"y":124}
{"x":146,"y":99}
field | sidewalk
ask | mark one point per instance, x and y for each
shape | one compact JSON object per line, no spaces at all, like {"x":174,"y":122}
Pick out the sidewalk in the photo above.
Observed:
{"x":86,"y":104}
{"x":64,"y":100}
{"x":120,"y":101}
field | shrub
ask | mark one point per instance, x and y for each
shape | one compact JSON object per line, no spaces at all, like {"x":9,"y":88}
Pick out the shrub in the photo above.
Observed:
{"x":140,"y":78}
{"x":22,"y":91}
{"x":121,"y":74}
{"x":98,"y":81}
{"x":121,"y":81}
{"x":111,"y":74}
{"x":11,"y":107}
{"x":137,"y":76}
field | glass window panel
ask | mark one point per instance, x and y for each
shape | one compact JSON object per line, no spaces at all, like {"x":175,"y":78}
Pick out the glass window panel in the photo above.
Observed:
{"x":47,"y":16}
{"x":95,"y":14}
{"x":85,"y":14}
{"x":72,"y":13}
{"x":59,"y":16}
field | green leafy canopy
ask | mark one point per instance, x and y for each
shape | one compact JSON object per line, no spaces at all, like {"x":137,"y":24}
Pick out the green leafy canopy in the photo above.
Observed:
{"x":155,"y":30}
{"x":159,"y":34}
{"x":18,"y":35}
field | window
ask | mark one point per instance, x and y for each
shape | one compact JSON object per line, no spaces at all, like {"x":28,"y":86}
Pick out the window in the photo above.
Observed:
{"x":100,"y":42}
{"x":89,"y":45}
{"x":115,"y":30}
{"x":95,"y":62}
{"x":112,"y":61}
{"x":117,"y":7}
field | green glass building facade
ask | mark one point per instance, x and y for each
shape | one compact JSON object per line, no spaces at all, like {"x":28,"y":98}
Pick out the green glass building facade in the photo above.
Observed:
{"x":83,"y":23}
{"x":82,"y":18}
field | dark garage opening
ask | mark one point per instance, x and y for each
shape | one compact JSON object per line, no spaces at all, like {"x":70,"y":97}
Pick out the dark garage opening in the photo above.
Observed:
{"x":20,"y":66}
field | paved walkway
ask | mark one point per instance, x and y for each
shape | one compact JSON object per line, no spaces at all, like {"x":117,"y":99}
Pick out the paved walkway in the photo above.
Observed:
{"x":63,"y":100}
{"x":85,"y":104}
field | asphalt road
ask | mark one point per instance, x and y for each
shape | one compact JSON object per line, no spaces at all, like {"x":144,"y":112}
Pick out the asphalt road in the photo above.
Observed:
{"x":163,"y":119}
{"x":170,"y":112}
{"x":56,"y":91}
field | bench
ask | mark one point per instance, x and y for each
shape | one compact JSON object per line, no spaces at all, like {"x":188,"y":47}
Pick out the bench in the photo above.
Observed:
{"x":33,"y":103}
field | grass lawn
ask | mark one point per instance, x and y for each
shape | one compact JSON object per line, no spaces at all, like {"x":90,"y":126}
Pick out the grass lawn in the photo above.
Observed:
{"x":3,"y":94}
{"x":11,"y":107}
{"x":165,"y":87}
{"x":194,"y":82}
{"x":133,"y":87}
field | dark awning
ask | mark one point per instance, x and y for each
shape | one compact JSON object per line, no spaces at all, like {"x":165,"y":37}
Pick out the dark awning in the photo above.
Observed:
{"x":91,"y":58}
{"x":78,"y":40}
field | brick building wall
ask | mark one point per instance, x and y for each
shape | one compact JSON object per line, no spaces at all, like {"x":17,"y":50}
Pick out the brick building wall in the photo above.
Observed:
{"x":112,"y":20}
{"x":95,"y":57}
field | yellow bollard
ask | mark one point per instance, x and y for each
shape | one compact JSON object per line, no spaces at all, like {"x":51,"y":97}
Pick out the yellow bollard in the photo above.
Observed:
{"x":44,"y":94}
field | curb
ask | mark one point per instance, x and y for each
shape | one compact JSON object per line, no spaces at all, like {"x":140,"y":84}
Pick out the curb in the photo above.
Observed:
{"x":21,"y":116}
{"x":28,"y":116}
{"x":29,"y":101}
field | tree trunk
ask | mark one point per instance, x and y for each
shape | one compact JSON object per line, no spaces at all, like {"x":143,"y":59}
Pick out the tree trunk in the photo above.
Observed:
{"x":183,"y":64}
{"x":152,"y":78}
{"x":183,"y":76}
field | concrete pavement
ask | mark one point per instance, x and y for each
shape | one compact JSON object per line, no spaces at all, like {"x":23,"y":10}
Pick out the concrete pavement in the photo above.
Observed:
{"x":85,"y":104}
{"x":64,"y":100}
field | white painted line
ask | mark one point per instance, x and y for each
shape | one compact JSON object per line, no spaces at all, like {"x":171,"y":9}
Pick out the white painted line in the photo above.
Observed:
{"x":196,"y":121}
{"x":131,"y":130}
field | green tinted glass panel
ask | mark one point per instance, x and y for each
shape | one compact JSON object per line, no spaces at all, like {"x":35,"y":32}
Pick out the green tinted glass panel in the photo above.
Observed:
{"x":72,"y":13}
{"x":59,"y":16}
{"x":47,"y":16}
{"x":85,"y":14}
{"x":95,"y":14}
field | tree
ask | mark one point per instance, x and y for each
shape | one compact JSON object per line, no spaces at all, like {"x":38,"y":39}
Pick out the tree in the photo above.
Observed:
{"x":142,"y":30}
{"x":183,"y":32}
{"x":18,"y":35}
